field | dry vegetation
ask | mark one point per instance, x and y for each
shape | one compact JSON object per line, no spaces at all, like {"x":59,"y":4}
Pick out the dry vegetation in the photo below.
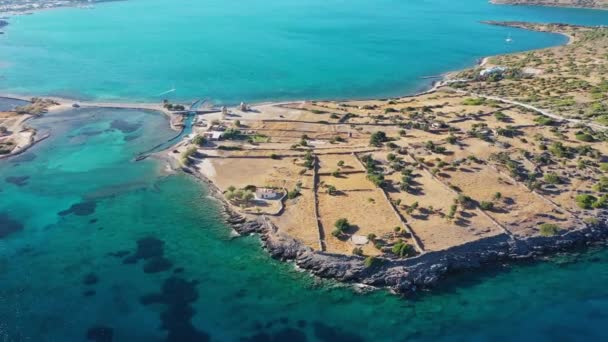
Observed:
{"x":569,"y":81}
{"x":404,"y":176}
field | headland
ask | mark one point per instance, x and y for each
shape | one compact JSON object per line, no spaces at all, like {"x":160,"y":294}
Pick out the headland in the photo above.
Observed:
{"x":499,"y":162}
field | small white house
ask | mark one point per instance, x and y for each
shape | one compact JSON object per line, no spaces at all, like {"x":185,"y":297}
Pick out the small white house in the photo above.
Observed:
{"x":213,"y":135}
{"x":267,"y":194}
{"x":491,"y":71}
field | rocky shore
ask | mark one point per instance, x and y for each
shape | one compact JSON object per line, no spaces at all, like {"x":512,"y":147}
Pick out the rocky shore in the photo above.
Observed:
{"x":595,"y":4}
{"x":406,"y":276}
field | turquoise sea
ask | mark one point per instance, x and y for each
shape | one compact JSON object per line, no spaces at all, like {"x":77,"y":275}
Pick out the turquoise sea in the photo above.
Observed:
{"x":259,"y":50}
{"x":94,"y":245}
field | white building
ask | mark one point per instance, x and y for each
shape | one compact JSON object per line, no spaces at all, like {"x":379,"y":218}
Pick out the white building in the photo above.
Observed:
{"x":491,"y":71}
{"x":267,"y":194}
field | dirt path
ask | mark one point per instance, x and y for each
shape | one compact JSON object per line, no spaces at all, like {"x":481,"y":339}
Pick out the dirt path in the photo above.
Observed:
{"x":536,"y":109}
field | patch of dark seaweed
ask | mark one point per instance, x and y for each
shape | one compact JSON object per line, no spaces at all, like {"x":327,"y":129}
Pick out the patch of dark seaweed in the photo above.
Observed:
{"x":131,"y":137}
{"x":17,"y":180}
{"x":80,"y":209}
{"x":119,"y":254}
{"x":147,"y":248}
{"x":157,"y":264}
{"x":177,"y":294}
{"x":286,"y":334}
{"x":100,"y":333}
{"x":326,"y":333}
{"x":90,"y":279}
{"x":125,"y":126}
{"x":8,"y":226}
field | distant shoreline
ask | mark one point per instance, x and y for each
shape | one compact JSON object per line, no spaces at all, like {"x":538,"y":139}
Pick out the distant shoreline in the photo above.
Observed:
{"x":545,"y":3}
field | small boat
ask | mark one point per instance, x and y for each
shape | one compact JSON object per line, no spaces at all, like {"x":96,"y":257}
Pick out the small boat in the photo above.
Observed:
{"x":509,"y":39}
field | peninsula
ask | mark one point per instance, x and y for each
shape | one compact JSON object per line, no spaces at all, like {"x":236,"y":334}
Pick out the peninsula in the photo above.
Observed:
{"x":498,"y":162}
{"x":503,"y":161}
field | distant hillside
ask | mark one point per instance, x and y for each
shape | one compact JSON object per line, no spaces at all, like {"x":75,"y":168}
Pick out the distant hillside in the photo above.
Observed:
{"x":561,"y":3}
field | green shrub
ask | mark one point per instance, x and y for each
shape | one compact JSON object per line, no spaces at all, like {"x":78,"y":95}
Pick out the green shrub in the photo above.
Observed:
{"x":549,"y":229}
{"x":402,"y":249}
{"x":376,"y":178}
{"x":357,"y":251}
{"x":199,"y":140}
{"x":293,"y":194}
{"x":500,"y":116}
{"x":585,"y":201}
{"x":486,"y":205}
{"x":378,"y":138}
{"x":474,"y":101}
{"x":584,"y":137}
{"x":341,"y":224}
{"x":552,"y":178}
{"x":544,"y":121}
{"x":371,"y":261}
{"x":331,"y":190}
{"x":602,"y":185}
{"x":185,"y":158}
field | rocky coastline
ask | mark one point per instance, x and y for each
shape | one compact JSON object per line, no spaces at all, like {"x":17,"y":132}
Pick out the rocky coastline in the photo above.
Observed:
{"x":593,"y":4}
{"x":406,"y":276}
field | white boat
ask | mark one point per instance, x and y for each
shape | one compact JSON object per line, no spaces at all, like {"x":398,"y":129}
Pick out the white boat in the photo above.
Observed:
{"x":509,"y":39}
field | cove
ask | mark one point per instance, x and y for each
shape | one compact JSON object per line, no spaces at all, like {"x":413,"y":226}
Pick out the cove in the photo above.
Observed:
{"x":231,"y":51}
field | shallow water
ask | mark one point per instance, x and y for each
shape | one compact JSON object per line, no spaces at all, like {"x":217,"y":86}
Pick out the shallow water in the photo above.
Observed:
{"x":72,"y":262}
{"x":259,"y":50}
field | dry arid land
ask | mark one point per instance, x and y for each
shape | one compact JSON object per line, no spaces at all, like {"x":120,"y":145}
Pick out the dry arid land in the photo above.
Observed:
{"x":516,"y":155}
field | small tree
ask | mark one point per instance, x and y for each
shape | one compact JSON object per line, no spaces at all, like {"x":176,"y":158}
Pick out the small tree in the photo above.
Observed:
{"x":331,"y":190}
{"x":378,"y":138}
{"x":402,"y":249}
{"x":341,"y":226}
